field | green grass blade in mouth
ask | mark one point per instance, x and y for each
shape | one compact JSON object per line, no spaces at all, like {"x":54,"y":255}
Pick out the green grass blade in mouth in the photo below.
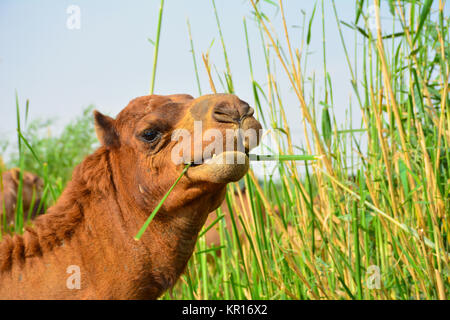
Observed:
{"x":282,"y":157}
{"x":155,"y":211}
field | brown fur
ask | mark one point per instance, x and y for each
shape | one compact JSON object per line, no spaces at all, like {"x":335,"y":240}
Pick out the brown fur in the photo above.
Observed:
{"x":111,"y":194}
{"x":32,"y":184}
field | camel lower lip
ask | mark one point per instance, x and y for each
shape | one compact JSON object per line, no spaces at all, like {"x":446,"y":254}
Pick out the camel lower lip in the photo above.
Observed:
{"x":207,"y":161}
{"x":226,"y":167}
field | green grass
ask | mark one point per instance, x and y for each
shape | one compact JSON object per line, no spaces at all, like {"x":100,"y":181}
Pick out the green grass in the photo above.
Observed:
{"x":373,"y":196}
{"x":156,"y":46}
{"x":384,"y":205}
{"x":51,"y":156}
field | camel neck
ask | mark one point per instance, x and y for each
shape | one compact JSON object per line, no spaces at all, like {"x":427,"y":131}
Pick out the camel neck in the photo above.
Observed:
{"x":151,"y":265}
{"x":92,"y":226}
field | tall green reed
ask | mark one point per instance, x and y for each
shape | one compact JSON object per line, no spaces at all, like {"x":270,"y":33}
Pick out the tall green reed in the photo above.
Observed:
{"x":319,"y":235}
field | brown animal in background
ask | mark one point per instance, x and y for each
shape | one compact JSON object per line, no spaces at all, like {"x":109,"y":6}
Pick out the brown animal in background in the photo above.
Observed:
{"x":212,"y":236}
{"x":9,"y":186}
{"x":92,"y":226}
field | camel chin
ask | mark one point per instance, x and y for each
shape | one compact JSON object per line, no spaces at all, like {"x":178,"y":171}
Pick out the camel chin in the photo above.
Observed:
{"x":228,"y":166}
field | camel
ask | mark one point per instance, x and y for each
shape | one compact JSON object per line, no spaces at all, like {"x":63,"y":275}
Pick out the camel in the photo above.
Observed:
{"x":83,"y":247}
{"x":242,"y":207}
{"x":212,"y":236}
{"x":31,"y":192}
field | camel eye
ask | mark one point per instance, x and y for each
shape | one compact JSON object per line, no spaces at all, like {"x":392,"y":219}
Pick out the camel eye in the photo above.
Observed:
{"x":150,"y":135}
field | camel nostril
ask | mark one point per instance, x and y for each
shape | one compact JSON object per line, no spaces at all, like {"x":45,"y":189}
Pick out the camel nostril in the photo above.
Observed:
{"x":249,"y":111}
{"x":245,"y":110}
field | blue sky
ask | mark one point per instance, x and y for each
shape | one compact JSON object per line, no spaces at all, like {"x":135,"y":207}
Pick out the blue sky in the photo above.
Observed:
{"x":109,"y":60}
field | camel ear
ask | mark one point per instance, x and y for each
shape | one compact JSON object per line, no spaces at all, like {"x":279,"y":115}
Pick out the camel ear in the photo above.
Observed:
{"x":15,"y":175}
{"x":104,"y":128}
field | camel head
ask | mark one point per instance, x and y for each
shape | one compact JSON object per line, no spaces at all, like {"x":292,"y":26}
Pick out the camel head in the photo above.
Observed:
{"x":32,"y":183}
{"x":32,"y":186}
{"x":154,"y":137}
{"x":112,"y":192}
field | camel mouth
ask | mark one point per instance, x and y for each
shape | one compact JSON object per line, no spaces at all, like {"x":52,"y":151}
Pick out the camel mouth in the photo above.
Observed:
{"x":225,"y":167}
{"x":221,"y":157}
